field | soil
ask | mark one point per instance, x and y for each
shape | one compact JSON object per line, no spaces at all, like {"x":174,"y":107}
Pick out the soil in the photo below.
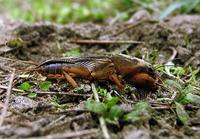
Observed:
{"x":22,"y":46}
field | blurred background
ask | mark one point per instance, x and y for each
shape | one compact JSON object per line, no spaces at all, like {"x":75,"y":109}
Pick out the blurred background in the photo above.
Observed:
{"x":64,"y":11}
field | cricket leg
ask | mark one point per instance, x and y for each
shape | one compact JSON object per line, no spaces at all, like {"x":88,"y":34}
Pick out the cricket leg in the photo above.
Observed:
{"x":108,"y":72}
{"x":71,"y":81}
{"x":115,"y":79}
{"x":55,"y":76}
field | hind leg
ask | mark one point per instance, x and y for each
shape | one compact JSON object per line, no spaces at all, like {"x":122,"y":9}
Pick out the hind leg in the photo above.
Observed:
{"x":71,"y":81}
{"x":115,"y":79}
{"x":107,"y":72}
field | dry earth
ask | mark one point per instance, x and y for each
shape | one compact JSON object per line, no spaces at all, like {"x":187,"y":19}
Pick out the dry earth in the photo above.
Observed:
{"x":23,"y":45}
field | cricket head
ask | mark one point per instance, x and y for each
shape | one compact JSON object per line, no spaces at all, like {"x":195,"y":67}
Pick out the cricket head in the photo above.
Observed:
{"x":139,"y":72}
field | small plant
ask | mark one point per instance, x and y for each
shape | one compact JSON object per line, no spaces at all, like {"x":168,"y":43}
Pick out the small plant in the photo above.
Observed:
{"x":79,"y":89}
{"x":173,"y":84}
{"x":109,"y":110}
{"x":32,"y":95}
{"x":182,"y":114}
{"x":104,"y":93}
{"x":56,"y":102}
{"x":180,"y":72}
{"x":113,"y":112}
{"x":188,"y":95}
{"x":44,"y":86}
{"x":141,"y":112}
{"x":27,"y":87}
{"x":193,"y":78}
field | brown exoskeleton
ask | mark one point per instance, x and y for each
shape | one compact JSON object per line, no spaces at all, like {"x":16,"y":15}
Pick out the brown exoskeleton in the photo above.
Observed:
{"x":110,"y":67}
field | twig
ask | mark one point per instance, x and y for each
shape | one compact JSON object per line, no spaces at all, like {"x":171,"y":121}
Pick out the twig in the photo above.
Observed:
{"x":105,"y":42}
{"x":70,"y":93}
{"x":166,"y":107}
{"x":67,"y":111}
{"x":22,"y":115}
{"x":101,"y":119}
{"x":4,"y":81}
{"x":51,"y":124}
{"x":123,"y":99}
{"x":13,"y":89}
{"x":174,"y":77}
{"x":5,"y":68}
{"x":173,"y":97}
{"x":27,"y":62}
{"x":63,"y":122}
{"x":189,"y":61}
{"x":197,"y":88}
{"x":72,"y":134}
{"x":174,"y":53}
{"x":162,"y":107}
{"x":8,"y":93}
{"x":18,"y":123}
{"x":4,"y":50}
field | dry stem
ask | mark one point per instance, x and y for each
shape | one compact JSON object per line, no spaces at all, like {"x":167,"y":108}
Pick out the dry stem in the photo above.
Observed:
{"x":101,"y":119}
{"x":8,"y":93}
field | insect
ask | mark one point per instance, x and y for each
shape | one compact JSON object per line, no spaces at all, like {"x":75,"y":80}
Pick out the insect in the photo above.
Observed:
{"x":110,"y":67}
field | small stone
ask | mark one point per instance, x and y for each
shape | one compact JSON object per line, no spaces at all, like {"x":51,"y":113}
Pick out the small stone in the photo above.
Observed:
{"x":23,"y":104}
{"x":23,"y":132}
{"x":137,"y":134}
{"x":87,"y":88}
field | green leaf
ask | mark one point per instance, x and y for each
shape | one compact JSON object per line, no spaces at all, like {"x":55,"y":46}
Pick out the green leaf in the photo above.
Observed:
{"x":141,"y":112}
{"x":73,"y":52}
{"x":96,"y":107}
{"x":142,"y":106}
{"x":193,"y":78}
{"x":130,"y":88}
{"x":191,"y":98}
{"x":180,"y":71}
{"x":79,"y":89}
{"x":109,"y":110}
{"x":56,"y":102}
{"x":25,"y":86}
{"x":61,"y":106}
{"x":182,"y":114}
{"x":111,"y":102}
{"x":170,"y":9}
{"x":104,"y":93}
{"x":174,"y":84}
{"x":183,"y":98}
{"x":44,"y":86}
{"x":185,"y":6}
{"x":32,"y":95}
{"x":115,"y":112}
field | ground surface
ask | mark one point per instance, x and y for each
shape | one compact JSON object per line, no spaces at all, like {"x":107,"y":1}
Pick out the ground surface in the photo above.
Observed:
{"x":23,"y":46}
